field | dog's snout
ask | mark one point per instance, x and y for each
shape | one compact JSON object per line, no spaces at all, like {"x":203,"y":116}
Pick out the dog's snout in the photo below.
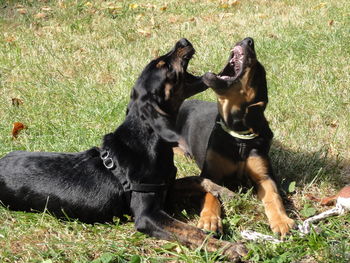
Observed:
{"x":249,"y":41}
{"x":183,"y":42}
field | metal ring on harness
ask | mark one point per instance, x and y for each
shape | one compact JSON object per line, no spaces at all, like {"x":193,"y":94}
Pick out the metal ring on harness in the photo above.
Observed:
{"x":128,"y":186}
{"x":107,"y":161}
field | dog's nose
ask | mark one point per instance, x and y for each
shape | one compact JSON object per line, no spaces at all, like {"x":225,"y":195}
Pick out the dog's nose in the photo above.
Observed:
{"x":249,"y":41}
{"x":183,"y":42}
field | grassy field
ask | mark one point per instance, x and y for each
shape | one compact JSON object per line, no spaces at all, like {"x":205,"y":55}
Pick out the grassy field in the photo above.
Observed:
{"x":73,"y":63}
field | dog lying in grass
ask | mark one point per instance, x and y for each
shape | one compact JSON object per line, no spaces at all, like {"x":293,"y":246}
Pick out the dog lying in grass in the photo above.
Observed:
{"x":230,"y":139}
{"x":130,"y":173}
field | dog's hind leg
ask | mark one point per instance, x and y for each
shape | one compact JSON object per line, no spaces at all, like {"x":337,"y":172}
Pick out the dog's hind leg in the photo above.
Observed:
{"x":155,"y":222}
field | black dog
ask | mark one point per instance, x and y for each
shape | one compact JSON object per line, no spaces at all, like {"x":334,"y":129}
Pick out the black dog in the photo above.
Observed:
{"x":230,"y":141}
{"x":130,"y":173}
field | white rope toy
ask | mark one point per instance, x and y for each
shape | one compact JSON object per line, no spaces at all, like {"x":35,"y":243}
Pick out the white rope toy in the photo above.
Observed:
{"x":256,"y":236}
{"x":342,"y":206}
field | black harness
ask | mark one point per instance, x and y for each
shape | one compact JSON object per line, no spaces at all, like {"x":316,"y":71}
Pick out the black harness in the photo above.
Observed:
{"x":128,"y":186}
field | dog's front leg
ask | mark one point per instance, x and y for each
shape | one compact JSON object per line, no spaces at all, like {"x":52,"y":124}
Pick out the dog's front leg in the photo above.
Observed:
{"x":258,"y":169}
{"x":152,"y":220}
{"x":210,"y":215}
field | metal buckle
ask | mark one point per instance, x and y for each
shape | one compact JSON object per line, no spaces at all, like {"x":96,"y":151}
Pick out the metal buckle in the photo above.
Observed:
{"x":107,"y":161}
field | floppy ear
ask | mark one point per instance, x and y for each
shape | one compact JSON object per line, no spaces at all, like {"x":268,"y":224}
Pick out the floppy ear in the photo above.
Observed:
{"x":255,"y":118}
{"x":160,"y":122}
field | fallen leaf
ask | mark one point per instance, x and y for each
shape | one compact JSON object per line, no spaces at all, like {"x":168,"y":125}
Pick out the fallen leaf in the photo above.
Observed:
{"x":332,"y":124}
{"x":320,"y":5}
{"x":172,"y":19}
{"x":17,"y":127}
{"x":61,"y":4}
{"x":144,"y":32}
{"x":10,"y":39}
{"x":234,"y":2}
{"x":22,"y":11}
{"x":272,"y":36}
{"x":262,"y":16}
{"x":40,"y":15}
{"x":46,"y":9}
{"x":133,"y":6}
{"x":16,"y":102}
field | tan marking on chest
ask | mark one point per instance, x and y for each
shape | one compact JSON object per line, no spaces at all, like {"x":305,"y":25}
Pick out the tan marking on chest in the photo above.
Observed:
{"x":219,"y":166}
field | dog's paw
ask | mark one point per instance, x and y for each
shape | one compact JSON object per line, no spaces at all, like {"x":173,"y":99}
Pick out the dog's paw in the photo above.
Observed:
{"x":281,"y":225}
{"x":210,"y":222}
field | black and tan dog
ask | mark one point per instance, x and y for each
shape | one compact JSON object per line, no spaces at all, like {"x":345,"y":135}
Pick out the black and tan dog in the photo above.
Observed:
{"x":230,"y":140}
{"x":130,"y":173}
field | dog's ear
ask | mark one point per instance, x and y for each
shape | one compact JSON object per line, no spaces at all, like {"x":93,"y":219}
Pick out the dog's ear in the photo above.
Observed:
{"x":160,"y":121}
{"x":255,"y":118}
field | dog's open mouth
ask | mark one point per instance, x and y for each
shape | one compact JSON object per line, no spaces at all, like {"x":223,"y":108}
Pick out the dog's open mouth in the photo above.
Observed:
{"x":234,"y":67}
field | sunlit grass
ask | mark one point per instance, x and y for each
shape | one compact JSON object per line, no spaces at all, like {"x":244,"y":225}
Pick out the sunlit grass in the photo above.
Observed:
{"x":73,"y":63}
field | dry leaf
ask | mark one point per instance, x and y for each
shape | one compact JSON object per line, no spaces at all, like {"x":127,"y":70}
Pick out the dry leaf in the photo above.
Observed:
{"x":332,"y":124}
{"x":320,"y":5}
{"x":10,"y":39}
{"x":272,"y":36}
{"x":61,"y":4}
{"x":133,"y":6}
{"x":144,"y":32}
{"x":17,"y":127}
{"x":173,"y":19}
{"x":16,"y":102}
{"x":234,"y":2}
{"x":22,"y":11}
{"x":262,"y":16}
{"x":40,"y":15}
{"x":46,"y":9}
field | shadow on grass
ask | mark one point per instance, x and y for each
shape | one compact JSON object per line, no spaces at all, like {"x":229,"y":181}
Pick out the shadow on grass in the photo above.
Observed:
{"x":307,"y":168}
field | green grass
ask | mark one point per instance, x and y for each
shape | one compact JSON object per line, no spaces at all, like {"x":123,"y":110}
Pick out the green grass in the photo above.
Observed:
{"x":75,"y":64}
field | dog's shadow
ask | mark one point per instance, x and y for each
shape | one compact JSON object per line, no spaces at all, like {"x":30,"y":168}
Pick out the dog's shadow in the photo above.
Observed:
{"x":307,"y":168}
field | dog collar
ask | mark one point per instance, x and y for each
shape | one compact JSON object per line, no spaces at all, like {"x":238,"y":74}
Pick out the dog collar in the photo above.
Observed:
{"x":244,"y":135}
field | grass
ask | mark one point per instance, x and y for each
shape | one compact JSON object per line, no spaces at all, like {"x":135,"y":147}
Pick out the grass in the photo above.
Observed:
{"x":73,"y":63}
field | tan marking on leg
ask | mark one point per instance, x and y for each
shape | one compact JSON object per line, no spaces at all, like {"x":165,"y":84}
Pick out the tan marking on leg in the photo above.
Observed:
{"x":257,"y":169}
{"x":194,"y":238}
{"x":210,"y":216}
{"x":178,"y":150}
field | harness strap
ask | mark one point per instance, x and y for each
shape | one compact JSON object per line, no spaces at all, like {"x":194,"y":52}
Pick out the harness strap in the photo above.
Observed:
{"x":124,"y":182}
